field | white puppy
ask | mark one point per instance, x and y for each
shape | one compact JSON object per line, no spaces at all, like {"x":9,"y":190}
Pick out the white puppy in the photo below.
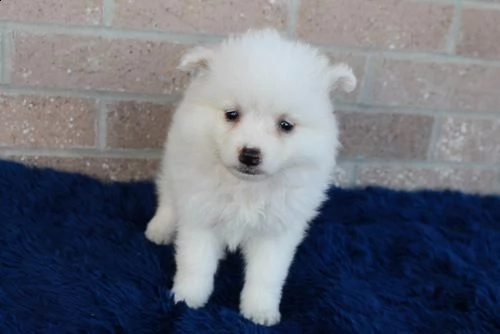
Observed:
{"x":249,"y":156}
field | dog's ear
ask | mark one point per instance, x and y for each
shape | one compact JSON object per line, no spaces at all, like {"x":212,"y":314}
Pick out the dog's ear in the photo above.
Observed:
{"x":196,"y":60}
{"x":341,"y":75}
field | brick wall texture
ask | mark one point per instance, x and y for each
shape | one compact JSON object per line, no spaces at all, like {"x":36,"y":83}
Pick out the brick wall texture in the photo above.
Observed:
{"x":90,"y":85}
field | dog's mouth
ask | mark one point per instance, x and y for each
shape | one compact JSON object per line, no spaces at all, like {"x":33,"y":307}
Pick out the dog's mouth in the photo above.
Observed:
{"x":246,"y":173}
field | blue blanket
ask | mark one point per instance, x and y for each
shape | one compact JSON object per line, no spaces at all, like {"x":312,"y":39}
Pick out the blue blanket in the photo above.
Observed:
{"x":73,"y":259}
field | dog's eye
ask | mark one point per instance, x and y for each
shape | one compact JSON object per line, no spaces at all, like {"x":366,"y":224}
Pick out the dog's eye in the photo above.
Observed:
{"x":285,"y":126}
{"x":232,"y":115}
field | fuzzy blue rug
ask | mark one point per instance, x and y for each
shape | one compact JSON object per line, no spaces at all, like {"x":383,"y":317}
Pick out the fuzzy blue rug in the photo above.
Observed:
{"x":73,"y":259}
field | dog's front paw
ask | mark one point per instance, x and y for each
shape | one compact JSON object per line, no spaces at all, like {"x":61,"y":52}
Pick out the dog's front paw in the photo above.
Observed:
{"x":194,"y":292}
{"x":161,"y":228}
{"x":260,"y":307}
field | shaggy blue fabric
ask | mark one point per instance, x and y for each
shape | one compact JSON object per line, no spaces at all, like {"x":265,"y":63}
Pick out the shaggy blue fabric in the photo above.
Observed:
{"x":74,"y":260}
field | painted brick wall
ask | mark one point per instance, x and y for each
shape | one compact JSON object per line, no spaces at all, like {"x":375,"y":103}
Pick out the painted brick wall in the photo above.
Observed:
{"x":89,"y":85}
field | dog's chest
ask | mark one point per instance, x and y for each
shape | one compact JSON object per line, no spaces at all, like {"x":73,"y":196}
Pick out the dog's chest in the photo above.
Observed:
{"x":243,"y":210}
{"x":242,"y":215}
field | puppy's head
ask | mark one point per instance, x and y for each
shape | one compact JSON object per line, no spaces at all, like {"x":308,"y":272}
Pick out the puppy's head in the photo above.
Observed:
{"x":265,"y":102}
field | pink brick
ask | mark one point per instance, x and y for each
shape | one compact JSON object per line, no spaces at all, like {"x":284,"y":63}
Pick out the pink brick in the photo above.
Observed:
{"x":47,"y":122}
{"x":437,"y":85}
{"x":469,"y":140}
{"x":116,"y":169}
{"x":138,"y":125}
{"x":97,"y":63}
{"x":53,"y":11}
{"x":384,"y":135}
{"x":211,"y":16}
{"x":479,"y":33}
{"x":472,"y":180}
{"x":387,"y":24}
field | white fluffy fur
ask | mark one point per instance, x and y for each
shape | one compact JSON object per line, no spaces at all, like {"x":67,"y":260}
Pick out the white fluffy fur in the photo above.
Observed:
{"x":209,"y":207}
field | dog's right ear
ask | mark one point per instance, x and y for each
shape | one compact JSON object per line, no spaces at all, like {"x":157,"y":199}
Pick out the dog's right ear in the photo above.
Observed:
{"x":196,"y":60}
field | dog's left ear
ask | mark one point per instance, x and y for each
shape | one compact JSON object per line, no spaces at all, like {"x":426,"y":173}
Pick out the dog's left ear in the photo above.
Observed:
{"x":341,"y":75}
{"x":196,"y":60}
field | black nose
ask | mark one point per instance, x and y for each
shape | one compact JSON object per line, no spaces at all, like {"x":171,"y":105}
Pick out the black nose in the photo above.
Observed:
{"x":250,"y":157}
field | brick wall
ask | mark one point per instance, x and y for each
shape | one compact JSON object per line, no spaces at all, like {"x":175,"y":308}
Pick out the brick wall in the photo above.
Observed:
{"x":89,"y":85}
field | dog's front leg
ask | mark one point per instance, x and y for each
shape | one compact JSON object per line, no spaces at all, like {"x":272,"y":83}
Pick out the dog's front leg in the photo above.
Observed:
{"x":267,"y":262}
{"x":198,"y":252}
